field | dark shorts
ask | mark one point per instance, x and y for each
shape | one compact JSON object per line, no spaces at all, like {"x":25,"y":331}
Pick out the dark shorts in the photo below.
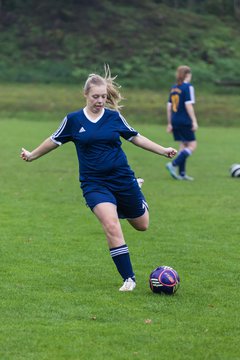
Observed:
{"x":130,"y":202}
{"x":184,"y":134}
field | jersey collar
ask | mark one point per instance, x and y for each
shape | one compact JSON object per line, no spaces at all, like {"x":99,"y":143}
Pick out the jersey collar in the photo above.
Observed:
{"x":93,"y":120}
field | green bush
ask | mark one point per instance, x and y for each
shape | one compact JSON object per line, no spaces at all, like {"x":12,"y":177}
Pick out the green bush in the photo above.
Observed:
{"x":144,"y":44}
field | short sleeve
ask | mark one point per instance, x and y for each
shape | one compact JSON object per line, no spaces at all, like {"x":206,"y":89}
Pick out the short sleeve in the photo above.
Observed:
{"x":63,"y":134}
{"x":169,"y":99}
{"x":126,"y":131}
{"x":189,"y":95}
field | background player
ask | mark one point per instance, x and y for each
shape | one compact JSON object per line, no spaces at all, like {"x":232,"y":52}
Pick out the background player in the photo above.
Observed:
{"x":107,"y":181}
{"x":182,"y":121}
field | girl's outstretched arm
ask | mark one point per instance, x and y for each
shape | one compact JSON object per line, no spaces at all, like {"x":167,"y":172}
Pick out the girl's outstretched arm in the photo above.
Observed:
{"x":42,"y":149}
{"x":149,"y":145}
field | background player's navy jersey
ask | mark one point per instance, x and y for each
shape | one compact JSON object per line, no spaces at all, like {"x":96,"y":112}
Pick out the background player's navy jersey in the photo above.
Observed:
{"x":179,"y":96}
{"x":98,"y":145}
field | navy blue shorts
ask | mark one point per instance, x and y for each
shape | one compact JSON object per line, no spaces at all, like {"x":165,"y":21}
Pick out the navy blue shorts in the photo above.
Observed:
{"x":183,"y":134}
{"x":130,"y":202}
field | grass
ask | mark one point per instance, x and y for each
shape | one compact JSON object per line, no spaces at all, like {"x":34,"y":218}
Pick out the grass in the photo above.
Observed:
{"x":52,"y":102}
{"x":59,"y":289}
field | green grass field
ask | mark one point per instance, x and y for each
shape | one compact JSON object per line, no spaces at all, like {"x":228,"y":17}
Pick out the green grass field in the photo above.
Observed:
{"x":37,"y":102}
{"x":59,"y":288}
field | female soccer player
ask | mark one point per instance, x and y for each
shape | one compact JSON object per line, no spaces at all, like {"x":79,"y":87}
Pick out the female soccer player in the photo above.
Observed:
{"x":108,"y":184}
{"x":182,"y":121}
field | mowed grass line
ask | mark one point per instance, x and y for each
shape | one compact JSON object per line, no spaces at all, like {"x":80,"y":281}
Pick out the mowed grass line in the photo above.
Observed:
{"x":42,"y":101}
{"x":59,"y":288}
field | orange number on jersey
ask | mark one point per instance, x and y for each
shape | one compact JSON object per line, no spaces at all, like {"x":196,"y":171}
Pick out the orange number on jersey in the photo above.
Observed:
{"x":175,"y":102}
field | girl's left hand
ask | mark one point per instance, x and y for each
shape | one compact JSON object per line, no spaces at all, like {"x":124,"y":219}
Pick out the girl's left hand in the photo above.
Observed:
{"x":170,"y":152}
{"x":169,"y":128}
{"x":194,"y":127}
{"x":25,"y":155}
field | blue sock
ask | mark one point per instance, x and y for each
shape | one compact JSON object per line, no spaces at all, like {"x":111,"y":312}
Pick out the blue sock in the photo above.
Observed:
{"x":182,"y":156}
{"x":182,"y":168}
{"x":121,"y":258}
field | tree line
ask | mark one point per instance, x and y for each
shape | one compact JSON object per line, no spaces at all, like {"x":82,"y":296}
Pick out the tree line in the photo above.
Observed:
{"x":215,"y":7}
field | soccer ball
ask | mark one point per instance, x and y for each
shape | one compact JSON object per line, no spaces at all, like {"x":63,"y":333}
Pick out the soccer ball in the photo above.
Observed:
{"x":164,"y":279}
{"x":235,"y":170}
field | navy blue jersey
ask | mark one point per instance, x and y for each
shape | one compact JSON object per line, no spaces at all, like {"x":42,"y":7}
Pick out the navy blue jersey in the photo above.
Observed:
{"x":98,"y":145}
{"x":179,"y":96}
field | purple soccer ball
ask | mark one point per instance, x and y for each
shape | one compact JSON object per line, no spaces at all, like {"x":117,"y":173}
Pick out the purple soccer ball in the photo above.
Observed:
{"x":164,"y":279}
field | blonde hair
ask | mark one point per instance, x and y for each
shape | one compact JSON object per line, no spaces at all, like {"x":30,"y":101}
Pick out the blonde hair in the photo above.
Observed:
{"x":113,"y":94}
{"x":181,"y":73}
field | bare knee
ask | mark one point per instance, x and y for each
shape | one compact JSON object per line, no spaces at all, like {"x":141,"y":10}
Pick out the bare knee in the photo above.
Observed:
{"x":192,"y":146}
{"x":112,"y":227}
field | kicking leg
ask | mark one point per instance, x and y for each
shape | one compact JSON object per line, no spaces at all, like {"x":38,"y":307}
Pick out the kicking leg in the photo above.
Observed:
{"x":140,"y":223}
